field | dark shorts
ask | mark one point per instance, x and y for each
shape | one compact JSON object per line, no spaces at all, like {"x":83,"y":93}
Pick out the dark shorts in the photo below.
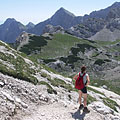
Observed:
{"x":84,"y":90}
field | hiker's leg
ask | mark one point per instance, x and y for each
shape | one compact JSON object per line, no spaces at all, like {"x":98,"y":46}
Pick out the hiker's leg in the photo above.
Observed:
{"x":80,"y":96}
{"x":85,"y":99}
{"x":86,"y":110}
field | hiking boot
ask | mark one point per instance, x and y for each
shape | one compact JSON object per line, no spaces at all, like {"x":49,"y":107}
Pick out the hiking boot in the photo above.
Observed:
{"x":86,"y":110}
{"x":81,"y":106}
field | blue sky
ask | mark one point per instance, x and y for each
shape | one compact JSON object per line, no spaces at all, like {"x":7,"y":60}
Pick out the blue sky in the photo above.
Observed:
{"x":39,"y":10}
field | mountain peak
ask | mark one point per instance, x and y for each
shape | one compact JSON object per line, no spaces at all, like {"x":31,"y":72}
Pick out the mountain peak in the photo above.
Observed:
{"x":63,"y":10}
{"x":116,"y":4}
{"x":30,"y":25}
{"x":9,"y":21}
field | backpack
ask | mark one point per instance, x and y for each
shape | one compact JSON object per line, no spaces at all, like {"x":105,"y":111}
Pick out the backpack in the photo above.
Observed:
{"x":79,"y":84}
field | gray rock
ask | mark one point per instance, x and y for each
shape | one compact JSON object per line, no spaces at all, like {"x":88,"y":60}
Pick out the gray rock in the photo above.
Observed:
{"x":2,"y":84}
{"x":53,"y":29}
{"x":9,"y":97}
{"x":104,"y":86}
{"x":101,"y":108}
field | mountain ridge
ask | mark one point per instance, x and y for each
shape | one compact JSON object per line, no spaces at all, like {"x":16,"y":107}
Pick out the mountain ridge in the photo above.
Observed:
{"x":61,"y":17}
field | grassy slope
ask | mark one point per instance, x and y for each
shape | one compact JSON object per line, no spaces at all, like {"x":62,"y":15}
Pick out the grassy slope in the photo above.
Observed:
{"x":59,"y":46}
{"x":20,"y":68}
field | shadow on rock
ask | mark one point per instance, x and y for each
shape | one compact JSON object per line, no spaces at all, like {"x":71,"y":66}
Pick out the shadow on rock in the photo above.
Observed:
{"x":78,"y":116}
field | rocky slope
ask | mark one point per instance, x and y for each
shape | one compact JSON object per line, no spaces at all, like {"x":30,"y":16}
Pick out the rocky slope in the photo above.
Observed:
{"x":95,"y":24}
{"x":53,"y":29}
{"x":31,"y":91}
{"x":21,"y":100}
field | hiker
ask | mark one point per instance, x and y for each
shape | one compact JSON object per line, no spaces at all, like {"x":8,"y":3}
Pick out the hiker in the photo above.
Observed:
{"x":82,"y":90}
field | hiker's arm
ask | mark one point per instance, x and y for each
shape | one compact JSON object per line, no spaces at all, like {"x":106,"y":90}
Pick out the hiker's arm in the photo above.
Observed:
{"x":88,"y":80}
{"x":75,"y":77}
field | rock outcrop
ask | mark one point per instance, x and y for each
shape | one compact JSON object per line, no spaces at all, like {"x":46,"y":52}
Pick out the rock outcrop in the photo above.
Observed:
{"x":53,"y":29}
{"x":22,"y":40}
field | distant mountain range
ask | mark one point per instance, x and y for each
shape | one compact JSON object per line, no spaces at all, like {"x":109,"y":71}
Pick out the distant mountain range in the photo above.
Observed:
{"x":62,"y":17}
{"x":82,"y":26}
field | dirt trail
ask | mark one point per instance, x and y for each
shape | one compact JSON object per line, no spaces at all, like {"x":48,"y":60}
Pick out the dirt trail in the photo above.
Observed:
{"x":58,"y":111}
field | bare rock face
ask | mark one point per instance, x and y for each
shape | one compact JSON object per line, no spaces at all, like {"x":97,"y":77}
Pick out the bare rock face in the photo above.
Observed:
{"x":87,"y":28}
{"x":106,"y":35}
{"x":53,"y":29}
{"x":22,"y":39}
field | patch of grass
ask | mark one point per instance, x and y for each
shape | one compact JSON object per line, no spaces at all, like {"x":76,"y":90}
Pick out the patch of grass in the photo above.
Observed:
{"x":99,"y":62}
{"x":90,"y":99}
{"x":19,"y":74}
{"x":48,"y":60}
{"x":70,"y":59}
{"x":104,"y":43}
{"x":112,"y":85}
{"x":91,"y":89}
{"x":107,"y":60}
{"x":95,"y":54}
{"x":49,"y":69}
{"x":60,"y":83}
{"x":5,"y":45}
{"x":68,"y":87}
{"x":35,"y":44}
{"x":21,"y":69}
{"x":117,"y":58}
{"x":81,"y":48}
{"x":60,"y":45}
{"x":110,"y":103}
{"x":56,"y":82}
{"x":44,"y":75}
{"x":50,"y":89}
